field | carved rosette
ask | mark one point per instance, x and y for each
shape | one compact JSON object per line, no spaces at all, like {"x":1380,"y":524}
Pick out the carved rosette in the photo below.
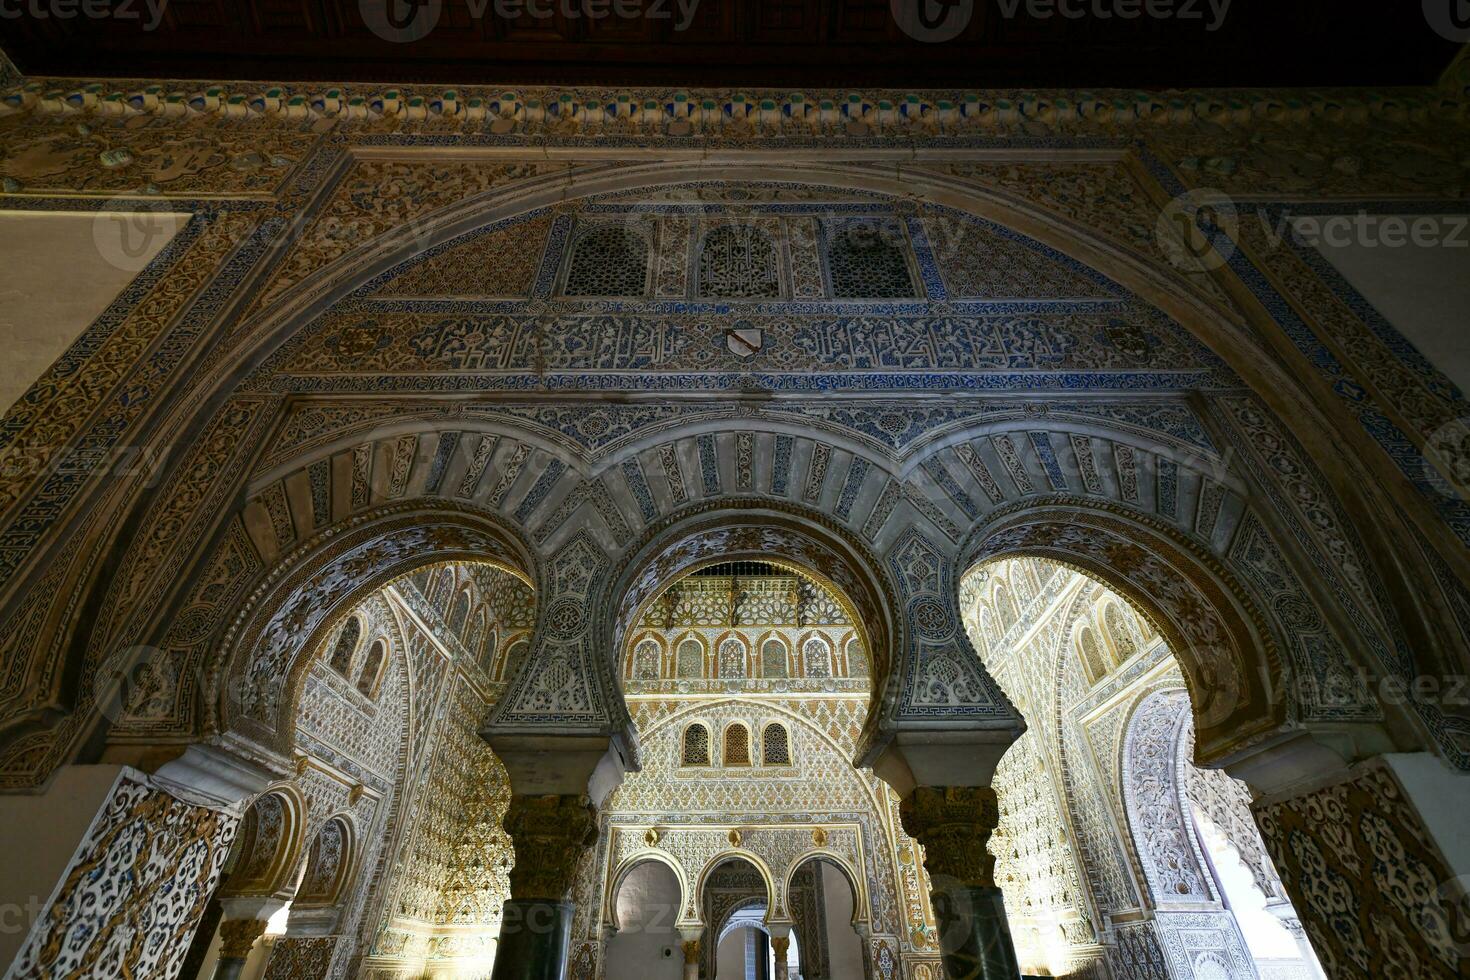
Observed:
{"x":954,"y":824}
{"x":549,"y":834}
{"x":237,"y":936}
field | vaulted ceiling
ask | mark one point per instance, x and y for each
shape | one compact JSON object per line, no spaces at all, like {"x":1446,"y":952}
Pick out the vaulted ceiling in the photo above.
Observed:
{"x":829,"y":43}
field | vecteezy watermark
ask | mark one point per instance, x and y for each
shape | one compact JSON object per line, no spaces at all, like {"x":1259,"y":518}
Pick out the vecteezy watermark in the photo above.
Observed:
{"x":932,"y":21}
{"x":16,"y":918}
{"x":1197,"y":230}
{"x":1449,"y":18}
{"x":128,"y":233}
{"x":149,"y":11}
{"x":403,"y":21}
{"x":1378,"y":230}
{"x":944,"y":20}
{"x":1210,"y":13}
{"x":142,"y":463}
{"x":137,"y":682}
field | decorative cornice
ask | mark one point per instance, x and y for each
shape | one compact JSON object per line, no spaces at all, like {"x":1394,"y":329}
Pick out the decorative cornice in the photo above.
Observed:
{"x":714,"y":114}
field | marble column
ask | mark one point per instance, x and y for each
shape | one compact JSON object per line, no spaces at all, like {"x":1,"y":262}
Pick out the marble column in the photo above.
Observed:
{"x":237,"y":938}
{"x":243,"y":921}
{"x":549,"y":835}
{"x":689,"y":939}
{"x":781,"y":947}
{"x":954,"y":825}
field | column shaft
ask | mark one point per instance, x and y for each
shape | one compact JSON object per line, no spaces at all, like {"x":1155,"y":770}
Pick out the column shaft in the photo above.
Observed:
{"x":780,"y":945}
{"x":550,"y":835}
{"x":954,"y":825}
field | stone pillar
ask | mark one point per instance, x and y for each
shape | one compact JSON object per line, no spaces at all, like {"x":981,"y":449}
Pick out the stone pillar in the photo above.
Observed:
{"x":243,"y":921}
{"x":549,"y":835}
{"x":137,"y":917}
{"x":781,"y":946}
{"x":237,"y":938}
{"x":865,"y":936}
{"x":689,"y":939}
{"x":954,"y":825}
{"x":1375,"y":893}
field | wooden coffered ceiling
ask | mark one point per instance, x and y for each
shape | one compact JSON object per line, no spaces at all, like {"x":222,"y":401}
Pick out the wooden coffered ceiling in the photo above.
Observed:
{"x":757,"y":43}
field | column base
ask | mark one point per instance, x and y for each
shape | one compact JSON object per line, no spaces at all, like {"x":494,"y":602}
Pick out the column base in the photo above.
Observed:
{"x":973,"y":933}
{"x":535,"y":938}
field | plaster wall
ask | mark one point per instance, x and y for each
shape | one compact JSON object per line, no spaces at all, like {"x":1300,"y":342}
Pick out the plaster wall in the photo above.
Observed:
{"x":39,"y":835}
{"x":61,"y":271}
{"x":1418,"y":278}
{"x":648,"y":903}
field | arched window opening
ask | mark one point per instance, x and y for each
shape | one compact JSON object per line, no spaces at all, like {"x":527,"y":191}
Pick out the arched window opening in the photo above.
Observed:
{"x":515,"y":655}
{"x":459,"y":613}
{"x":868,"y":260}
{"x":691,"y":659}
{"x":732,"y":658}
{"x":263,"y":847}
{"x":1005,"y":607}
{"x":444,"y":585}
{"x":474,"y":637}
{"x":857,"y":658}
{"x":1093,"y":662}
{"x":646,"y":661}
{"x":326,"y":866}
{"x":609,"y":260}
{"x":1125,"y":644}
{"x":737,"y":745}
{"x":737,"y":262}
{"x":773,"y":658}
{"x":372,"y":669}
{"x":346,"y":646}
{"x":696,"y":746}
{"x":817,"y":657}
{"x":487,"y":650}
{"x":776,"y":745}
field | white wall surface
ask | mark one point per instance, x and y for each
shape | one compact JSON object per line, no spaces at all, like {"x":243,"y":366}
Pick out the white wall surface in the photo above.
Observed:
{"x":60,"y":272}
{"x":648,"y":904}
{"x":1415,"y":270}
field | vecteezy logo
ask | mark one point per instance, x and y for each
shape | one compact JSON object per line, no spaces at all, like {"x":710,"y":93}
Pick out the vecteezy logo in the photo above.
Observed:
{"x":1449,"y":18}
{"x":127,"y":234}
{"x":1197,"y":230}
{"x":932,"y":21}
{"x":401,"y":21}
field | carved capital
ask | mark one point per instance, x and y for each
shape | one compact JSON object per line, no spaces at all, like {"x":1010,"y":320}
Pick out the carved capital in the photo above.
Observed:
{"x":779,"y":946}
{"x":237,"y":936}
{"x":954,"y":824}
{"x":549,"y":834}
{"x":691,"y":951}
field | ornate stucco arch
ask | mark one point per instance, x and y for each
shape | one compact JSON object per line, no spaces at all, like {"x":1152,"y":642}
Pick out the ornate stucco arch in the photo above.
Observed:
{"x":744,"y":528}
{"x":609,"y":915}
{"x":251,"y":689}
{"x":1237,"y":680}
{"x":692,"y":915}
{"x":861,"y":906}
